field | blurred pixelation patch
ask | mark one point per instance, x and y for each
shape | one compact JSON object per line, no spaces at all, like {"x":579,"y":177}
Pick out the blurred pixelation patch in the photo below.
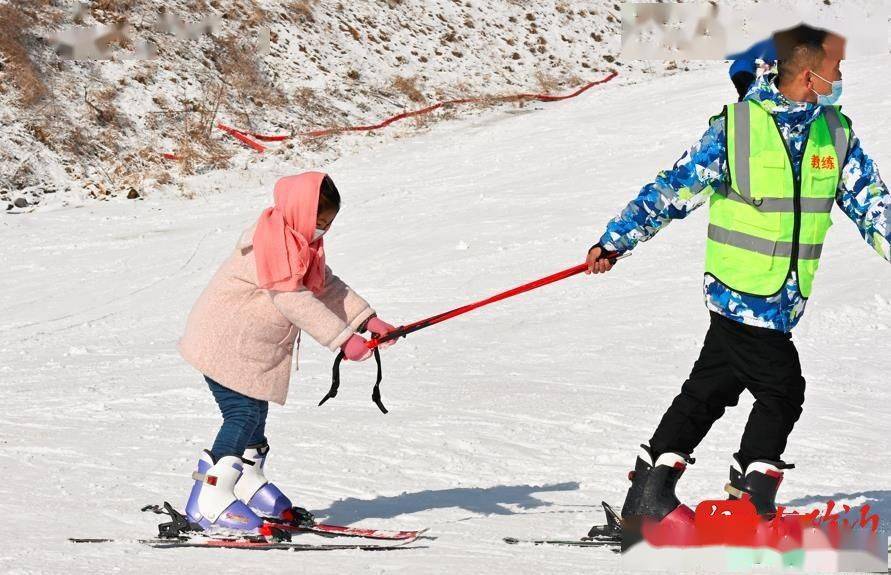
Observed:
{"x":729,"y":536}
{"x":711,"y":31}
{"x":120,"y":41}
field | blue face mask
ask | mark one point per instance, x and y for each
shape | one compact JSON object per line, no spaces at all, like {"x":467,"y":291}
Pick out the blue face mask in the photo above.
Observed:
{"x":828,"y":99}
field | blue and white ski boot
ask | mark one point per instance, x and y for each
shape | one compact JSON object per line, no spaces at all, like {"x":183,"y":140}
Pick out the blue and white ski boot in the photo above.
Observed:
{"x":267,"y":500}
{"x":213,"y":504}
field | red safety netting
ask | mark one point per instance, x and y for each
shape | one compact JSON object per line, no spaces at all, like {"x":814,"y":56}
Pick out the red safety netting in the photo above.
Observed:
{"x":252,"y":140}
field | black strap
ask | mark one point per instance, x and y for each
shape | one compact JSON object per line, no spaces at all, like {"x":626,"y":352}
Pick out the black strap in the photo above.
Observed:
{"x":335,"y":381}
{"x":376,"y":392}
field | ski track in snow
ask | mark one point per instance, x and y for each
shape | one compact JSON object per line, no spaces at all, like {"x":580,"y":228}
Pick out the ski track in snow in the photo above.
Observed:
{"x":515,"y":420}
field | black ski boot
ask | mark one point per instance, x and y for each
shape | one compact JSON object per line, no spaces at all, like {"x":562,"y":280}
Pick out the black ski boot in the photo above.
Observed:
{"x":757,"y":482}
{"x":651,"y":494}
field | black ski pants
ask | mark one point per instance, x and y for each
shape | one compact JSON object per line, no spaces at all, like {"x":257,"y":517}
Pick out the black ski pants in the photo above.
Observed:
{"x":737,"y":357}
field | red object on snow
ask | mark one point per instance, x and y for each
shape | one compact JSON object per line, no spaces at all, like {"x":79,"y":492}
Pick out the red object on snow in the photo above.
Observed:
{"x":677,"y":529}
{"x":438,"y":105}
{"x":250,"y":139}
{"x":242,"y":137}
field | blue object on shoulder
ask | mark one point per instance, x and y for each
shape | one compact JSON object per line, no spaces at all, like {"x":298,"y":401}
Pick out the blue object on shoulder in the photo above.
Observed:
{"x":745,"y":61}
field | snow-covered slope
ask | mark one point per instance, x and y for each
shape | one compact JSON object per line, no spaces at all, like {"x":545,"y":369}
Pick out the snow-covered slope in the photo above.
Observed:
{"x":516,"y":420}
{"x":84,"y":129}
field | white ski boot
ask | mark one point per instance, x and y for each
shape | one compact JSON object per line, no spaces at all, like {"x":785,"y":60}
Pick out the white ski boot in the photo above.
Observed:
{"x":213,"y":504}
{"x":255,"y":491}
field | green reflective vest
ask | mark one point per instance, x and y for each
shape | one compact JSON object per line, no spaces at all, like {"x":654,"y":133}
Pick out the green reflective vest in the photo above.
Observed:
{"x":765,"y":223}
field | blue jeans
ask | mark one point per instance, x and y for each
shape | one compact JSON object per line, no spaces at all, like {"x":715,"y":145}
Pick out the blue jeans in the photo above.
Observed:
{"x":244,"y":421}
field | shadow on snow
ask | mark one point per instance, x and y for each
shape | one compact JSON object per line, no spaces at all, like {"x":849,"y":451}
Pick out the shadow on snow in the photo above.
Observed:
{"x":482,"y":500}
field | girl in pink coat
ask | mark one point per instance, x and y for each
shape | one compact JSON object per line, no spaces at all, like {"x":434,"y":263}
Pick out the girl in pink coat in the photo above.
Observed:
{"x":241,"y":334}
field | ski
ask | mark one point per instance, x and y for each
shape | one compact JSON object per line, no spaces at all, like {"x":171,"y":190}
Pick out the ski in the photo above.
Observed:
{"x":607,"y":535}
{"x":299,"y":520}
{"x":253,"y":544}
{"x":180,"y":532}
{"x":583,"y":542}
{"x":330,"y":530}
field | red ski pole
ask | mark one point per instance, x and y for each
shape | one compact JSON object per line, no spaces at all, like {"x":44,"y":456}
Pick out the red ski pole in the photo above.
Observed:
{"x":419,"y":325}
{"x":404,"y":330}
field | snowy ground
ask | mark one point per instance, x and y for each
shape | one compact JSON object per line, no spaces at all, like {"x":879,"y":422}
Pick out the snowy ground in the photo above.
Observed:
{"x":516,"y":420}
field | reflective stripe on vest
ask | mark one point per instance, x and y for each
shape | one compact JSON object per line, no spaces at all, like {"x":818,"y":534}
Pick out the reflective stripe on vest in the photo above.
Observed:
{"x":753,"y":220}
{"x":762,"y":246}
{"x":774,"y":205}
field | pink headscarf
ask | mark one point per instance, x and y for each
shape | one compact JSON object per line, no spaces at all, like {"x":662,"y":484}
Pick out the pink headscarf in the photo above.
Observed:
{"x":285,"y":257}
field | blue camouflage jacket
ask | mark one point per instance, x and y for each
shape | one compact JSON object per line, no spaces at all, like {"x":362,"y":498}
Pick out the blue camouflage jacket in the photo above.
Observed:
{"x":675,"y":193}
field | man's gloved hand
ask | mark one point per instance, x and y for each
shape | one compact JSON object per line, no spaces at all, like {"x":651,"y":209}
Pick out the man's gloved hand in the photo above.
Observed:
{"x":596,"y":263}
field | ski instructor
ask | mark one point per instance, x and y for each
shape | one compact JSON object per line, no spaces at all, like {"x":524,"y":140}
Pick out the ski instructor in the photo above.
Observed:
{"x":771,"y":168}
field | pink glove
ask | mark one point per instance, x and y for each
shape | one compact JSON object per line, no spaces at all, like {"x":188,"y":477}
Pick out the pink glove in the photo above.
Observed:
{"x":378,"y":327}
{"x":355,"y":348}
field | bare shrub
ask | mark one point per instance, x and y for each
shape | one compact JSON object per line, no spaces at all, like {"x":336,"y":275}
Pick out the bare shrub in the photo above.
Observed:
{"x":302,"y":10}
{"x":78,"y":144}
{"x":163,"y":177}
{"x":195,"y":144}
{"x":239,"y":68}
{"x":22,"y":71}
{"x":41,"y":131}
{"x":111,"y":10}
{"x":408,"y":86}
{"x":547,"y":82}
{"x":102,"y":104}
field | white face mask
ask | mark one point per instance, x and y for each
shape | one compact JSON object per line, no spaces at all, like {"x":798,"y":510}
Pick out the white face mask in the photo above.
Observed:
{"x":831,"y":98}
{"x":318,"y":234}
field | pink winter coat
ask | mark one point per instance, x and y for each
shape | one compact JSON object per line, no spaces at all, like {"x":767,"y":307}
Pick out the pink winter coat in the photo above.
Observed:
{"x":243,"y":337}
